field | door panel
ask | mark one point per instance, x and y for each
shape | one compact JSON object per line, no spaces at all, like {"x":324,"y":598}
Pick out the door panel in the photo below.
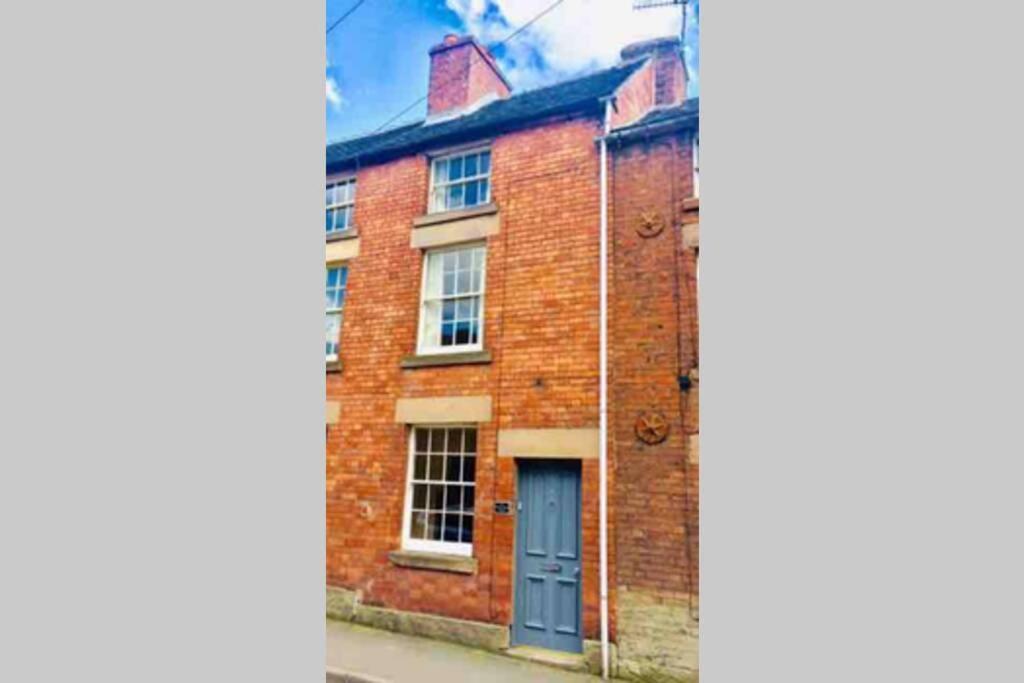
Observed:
{"x":548,"y":567}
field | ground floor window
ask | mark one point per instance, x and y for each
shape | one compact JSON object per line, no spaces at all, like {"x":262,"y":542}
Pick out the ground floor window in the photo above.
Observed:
{"x":441,"y":493}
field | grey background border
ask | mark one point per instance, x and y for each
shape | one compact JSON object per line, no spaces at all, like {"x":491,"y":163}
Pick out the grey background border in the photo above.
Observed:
{"x":161,"y":483}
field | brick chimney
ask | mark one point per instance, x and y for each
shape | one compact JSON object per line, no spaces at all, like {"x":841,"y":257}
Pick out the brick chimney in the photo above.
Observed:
{"x":462,"y":72}
{"x":669,"y":74}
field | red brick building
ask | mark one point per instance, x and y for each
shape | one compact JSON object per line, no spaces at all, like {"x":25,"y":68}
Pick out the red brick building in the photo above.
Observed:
{"x":464,"y":365}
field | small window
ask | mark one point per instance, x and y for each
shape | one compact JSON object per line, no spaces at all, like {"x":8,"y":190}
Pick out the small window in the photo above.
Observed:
{"x":341,"y":199}
{"x":461,"y":181}
{"x":337,"y":279}
{"x":440,"y":499}
{"x":452,"y":313}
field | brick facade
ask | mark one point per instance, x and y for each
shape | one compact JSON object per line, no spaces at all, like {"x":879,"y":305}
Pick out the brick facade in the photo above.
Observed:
{"x":541,"y":328}
{"x":654,"y":341}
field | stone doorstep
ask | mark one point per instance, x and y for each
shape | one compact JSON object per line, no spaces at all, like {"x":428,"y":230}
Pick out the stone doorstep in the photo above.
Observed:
{"x":563,"y":660}
{"x":337,"y":676}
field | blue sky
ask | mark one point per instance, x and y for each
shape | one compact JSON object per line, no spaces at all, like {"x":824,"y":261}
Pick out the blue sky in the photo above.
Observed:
{"x":377,"y":61}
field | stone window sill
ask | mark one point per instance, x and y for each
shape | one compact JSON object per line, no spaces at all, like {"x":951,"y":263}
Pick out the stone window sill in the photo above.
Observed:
{"x":457,"y":215}
{"x":455,"y":564}
{"x":443,"y":359}
{"x":349,"y":234}
{"x":334,"y":366}
{"x":691,"y":203}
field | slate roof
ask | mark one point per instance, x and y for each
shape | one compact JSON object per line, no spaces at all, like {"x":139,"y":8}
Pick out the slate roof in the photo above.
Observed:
{"x":687,"y":113}
{"x":580,"y":95}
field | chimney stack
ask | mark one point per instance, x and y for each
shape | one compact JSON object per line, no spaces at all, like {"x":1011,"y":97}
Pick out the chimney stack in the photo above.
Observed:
{"x":462,"y":72}
{"x":669,"y":74}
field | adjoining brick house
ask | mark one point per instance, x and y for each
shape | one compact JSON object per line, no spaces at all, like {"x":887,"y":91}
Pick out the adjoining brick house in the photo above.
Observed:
{"x":463,"y":362}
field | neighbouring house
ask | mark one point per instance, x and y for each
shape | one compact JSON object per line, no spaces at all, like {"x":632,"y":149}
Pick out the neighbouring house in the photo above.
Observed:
{"x":463,"y":357}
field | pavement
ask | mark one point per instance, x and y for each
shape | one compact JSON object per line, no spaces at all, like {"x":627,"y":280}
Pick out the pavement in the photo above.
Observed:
{"x":358,"y":654}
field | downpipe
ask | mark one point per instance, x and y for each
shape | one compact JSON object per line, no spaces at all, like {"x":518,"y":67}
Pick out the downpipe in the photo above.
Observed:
{"x":603,"y":400}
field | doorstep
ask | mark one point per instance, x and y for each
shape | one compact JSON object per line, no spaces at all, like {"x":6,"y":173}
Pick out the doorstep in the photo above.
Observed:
{"x":570,"y":661}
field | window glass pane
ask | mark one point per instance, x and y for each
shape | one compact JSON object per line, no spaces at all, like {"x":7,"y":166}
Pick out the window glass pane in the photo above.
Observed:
{"x":462,"y":332}
{"x":455,"y":440}
{"x":452,"y":527}
{"x":447,"y":334}
{"x":470,"y":167}
{"x":464,"y":309}
{"x":433,"y":276}
{"x":333,"y":330}
{"x":472,"y":198}
{"x":419,"y":525}
{"x":332,"y":277}
{"x":454,"y":169}
{"x":470,"y":446}
{"x":329,"y":195}
{"x":420,"y":467}
{"x":422,"y":440}
{"x":453,"y":468}
{"x":437,"y":441}
{"x":431,"y":324}
{"x":419,"y":497}
{"x":435,"y":498}
{"x":448,"y":311}
{"x":485,"y":191}
{"x":453,"y":499}
{"x":450,"y":261}
{"x":434,"y":526}
{"x":467,"y":528}
{"x":468,"y":498}
{"x":485,"y":163}
{"x":455,"y":196}
{"x":440,"y":171}
{"x":469,"y":469}
{"x":436,"y":472}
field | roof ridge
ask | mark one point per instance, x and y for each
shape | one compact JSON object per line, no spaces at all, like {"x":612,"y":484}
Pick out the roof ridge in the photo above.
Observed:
{"x":633,"y":63}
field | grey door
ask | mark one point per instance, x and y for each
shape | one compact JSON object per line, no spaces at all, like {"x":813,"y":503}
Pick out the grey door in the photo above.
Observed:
{"x":548,"y":609}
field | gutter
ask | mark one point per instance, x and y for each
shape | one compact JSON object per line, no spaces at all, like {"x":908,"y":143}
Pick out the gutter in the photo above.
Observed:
{"x":683,"y":122}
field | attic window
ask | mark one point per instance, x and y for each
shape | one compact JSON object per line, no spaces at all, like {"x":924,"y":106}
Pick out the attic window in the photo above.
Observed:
{"x":460,"y":181}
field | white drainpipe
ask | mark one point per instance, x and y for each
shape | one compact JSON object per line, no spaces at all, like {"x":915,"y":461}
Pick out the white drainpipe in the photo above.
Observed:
{"x":603,"y":445}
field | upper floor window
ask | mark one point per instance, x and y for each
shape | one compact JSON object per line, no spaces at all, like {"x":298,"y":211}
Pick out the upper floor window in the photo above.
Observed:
{"x":452,"y":312}
{"x":341,"y":199}
{"x":337,"y":279}
{"x":460,"y":181}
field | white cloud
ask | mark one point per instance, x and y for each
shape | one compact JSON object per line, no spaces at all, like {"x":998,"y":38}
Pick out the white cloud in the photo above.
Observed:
{"x":576,"y":36}
{"x":333,"y":93}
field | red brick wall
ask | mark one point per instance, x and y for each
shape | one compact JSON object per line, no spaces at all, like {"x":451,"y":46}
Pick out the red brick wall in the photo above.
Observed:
{"x":541,"y":326}
{"x":635,"y":97}
{"x":654,"y":339}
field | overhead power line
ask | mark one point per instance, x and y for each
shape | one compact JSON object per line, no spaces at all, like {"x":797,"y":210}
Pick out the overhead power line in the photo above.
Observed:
{"x":503,"y":41}
{"x":344,"y":16}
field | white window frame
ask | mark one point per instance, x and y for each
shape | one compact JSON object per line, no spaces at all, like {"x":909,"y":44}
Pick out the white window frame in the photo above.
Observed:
{"x":340,"y":311}
{"x":352,"y":204}
{"x":419,"y":544}
{"x":422,"y":349}
{"x":432,"y":196}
